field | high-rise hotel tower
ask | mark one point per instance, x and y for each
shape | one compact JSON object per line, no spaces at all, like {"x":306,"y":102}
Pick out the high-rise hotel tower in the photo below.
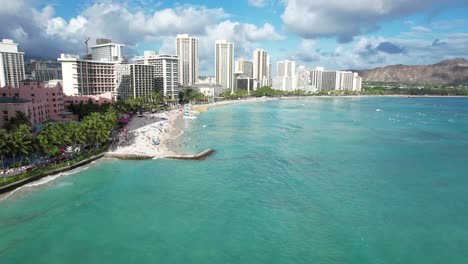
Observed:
{"x":224,"y":63}
{"x":11,"y":64}
{"x":187,"y":51}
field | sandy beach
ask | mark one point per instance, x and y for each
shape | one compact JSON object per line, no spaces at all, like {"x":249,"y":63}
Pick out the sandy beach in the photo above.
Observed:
{"x":150,"y":134}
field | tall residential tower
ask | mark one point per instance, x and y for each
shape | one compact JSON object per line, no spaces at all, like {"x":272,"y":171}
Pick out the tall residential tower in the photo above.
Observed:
{"x":187,"y":51}
{"x":224,"y":63}
{"x":261,"y":67}
{"x":11,"y":64}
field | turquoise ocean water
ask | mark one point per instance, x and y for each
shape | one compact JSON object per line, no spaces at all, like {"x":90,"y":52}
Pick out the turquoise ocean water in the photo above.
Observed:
{"x":318,"y":180}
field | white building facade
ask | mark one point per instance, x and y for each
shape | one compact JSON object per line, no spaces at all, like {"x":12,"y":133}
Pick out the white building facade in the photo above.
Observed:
{"x":261,"y":67}
{"x":166,"y":72}
{"x":285,"y":77}
{"x":245,"y":67}
{"x":105,"y":50}
{"x":303,"y":80}
{"x":11,"y":64}
{"x":323,"y":80}
{"x":87,"y":77}
{"x":224,"y":64}
{"x":187,"y":51}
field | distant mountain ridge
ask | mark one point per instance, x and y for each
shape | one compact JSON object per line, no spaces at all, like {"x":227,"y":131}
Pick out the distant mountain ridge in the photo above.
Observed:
{"x":454,"y":71}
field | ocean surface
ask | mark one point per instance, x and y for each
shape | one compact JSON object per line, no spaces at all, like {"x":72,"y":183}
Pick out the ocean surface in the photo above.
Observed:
{"x":316,"y":180}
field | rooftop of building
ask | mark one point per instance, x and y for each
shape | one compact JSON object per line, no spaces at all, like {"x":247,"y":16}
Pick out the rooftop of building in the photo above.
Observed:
{"x":73,"y":57}
{"x":107,"y":44}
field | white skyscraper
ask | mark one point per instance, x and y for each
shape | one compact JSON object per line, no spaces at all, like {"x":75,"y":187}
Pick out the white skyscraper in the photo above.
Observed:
{"x":224,"y":63}
{"x":166,"y":71}
{"x":335,"y":80}
{"x":286,"y":68}
{"x":261,"y":67}
{"x":11,"y":64}
{"x":303,"y":81}
{"x":105,"y":50}
{"x":187,"y":51}
{"x":245,"y":67}
{"x":285,"y":77}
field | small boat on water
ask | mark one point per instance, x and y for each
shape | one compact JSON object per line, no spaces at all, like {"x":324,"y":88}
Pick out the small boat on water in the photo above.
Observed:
{"x":187,"y":114}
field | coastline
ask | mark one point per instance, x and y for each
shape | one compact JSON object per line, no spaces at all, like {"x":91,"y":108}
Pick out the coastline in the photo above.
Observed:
{"x":151,"y":136}
{"x":140,"y":146}
{"x":147,"y":128}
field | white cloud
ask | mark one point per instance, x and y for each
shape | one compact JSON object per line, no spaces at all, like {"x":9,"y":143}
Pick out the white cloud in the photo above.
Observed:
{"x":257,"y":3}
{"x":307,"y":52}
{"x":48,"y":34}
{"x":365,"y":52}
{"x":335,"y":18}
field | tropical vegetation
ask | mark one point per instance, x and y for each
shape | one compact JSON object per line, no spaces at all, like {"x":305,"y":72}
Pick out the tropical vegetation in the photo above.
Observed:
{"x":190,"y":95}
{"x":19,"y":144}
{"x":153,"y":102}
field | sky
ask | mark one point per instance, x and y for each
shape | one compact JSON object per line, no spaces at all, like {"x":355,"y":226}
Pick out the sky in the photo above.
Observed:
{"x":335,"y":34}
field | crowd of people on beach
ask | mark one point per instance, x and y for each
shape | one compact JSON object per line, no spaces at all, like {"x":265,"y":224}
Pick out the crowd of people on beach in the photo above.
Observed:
{"x":145,"y":134}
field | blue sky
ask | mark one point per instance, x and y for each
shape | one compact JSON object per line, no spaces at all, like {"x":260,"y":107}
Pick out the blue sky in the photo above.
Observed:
{"x":336,"y":34}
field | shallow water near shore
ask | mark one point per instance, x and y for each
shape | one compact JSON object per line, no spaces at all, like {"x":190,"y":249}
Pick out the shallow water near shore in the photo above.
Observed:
{"x":317,"y":180}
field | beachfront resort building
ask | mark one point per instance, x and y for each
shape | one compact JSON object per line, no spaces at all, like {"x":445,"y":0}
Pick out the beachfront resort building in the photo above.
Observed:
{"x":261,"y":67}
{"x":323,"y":80}
{"x":246,"y":83}
{"x":166,"y":72}
{"x":38,"y":100}
{"x":224,"y":64}
{"x":286,"y":76}
{"x":11,"y":64}
{"x":187,"y":51}
{"x":87,"y":77}
{"x":245,"y":67}
{"x":303,"y":81}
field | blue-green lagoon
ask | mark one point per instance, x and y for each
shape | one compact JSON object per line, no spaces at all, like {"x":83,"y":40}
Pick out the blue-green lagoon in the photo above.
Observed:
{"x":315,"y":180}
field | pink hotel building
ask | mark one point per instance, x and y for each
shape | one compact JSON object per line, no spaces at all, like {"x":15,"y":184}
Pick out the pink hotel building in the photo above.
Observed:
{"x":40,"y":101}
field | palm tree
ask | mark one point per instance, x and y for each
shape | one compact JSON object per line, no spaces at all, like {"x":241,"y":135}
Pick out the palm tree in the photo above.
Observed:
{"x":20,"y":118}
{"x":4,"y":148}
{"x":76,"y":132}
{"x":49,"y":140}
{"x":21,"y":142}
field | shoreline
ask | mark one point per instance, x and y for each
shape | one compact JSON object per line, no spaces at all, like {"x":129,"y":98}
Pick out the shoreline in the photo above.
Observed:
{"x":140,"y":147}
{"x":172,"y":128}
{"x":139,"y":142}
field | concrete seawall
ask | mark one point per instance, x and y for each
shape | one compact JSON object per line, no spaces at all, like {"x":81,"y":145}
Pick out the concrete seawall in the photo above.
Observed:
{"x":127,"y":156}
{"x":199,"y":156}
{"x":14,"y":185}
